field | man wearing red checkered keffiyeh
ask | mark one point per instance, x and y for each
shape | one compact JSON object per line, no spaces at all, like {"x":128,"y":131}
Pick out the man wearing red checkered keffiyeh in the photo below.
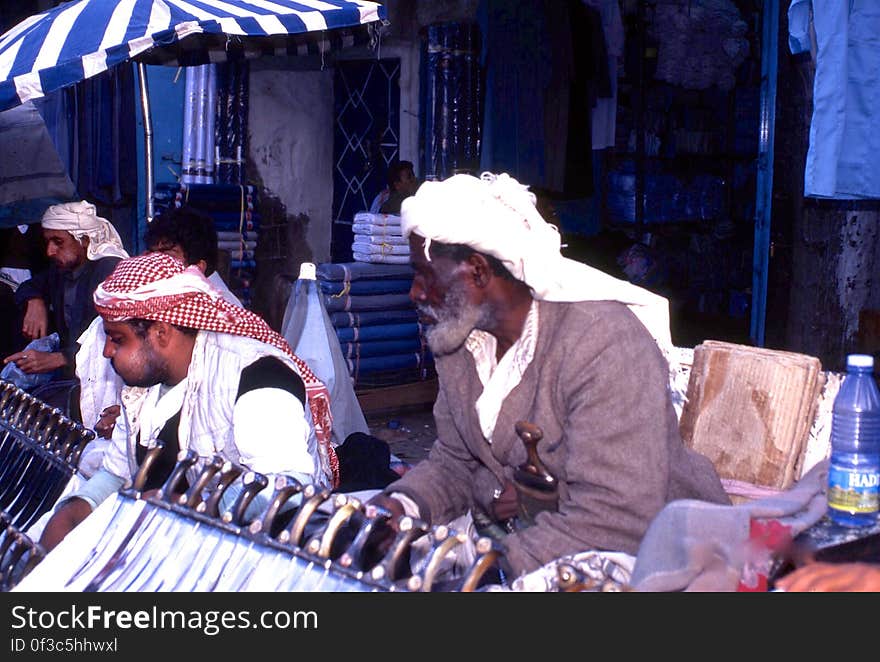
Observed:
{"x":232,"y":382}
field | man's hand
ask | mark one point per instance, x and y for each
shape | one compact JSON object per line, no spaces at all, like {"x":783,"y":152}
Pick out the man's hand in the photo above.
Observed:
{"x":382,"y":543}
{"x":31,"y":362}
{"x":63,"y":522}
{"x":107,"y":421}
{"x":390,"y":504}
{"x":506,"y":505}
{"x":36,"y":319}
{"x":832,"y":577}
{"x":387,"y":529}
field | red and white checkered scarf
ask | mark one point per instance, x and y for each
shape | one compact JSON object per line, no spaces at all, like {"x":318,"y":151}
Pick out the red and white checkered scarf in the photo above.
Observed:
{"x":158,"y":287}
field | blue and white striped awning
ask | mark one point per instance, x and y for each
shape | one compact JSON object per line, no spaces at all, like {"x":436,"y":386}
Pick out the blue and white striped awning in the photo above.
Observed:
{"x":83,"y":38}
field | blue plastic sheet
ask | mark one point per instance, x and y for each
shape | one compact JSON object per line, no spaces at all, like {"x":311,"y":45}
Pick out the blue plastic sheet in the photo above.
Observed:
{"x":308,"y":330}
{"x":26,"y":381}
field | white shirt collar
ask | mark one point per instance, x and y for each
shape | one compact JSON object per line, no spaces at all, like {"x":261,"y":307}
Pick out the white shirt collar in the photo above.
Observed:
{"x":499,"y":378}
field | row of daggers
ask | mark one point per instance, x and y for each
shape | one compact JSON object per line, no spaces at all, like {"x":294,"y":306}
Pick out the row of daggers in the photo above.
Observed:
{"x":182,"y":542}
{"x":40,"y":449}
{"x":175,"y":540}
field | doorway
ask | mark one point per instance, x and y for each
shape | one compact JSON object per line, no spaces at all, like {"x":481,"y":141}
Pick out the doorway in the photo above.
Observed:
{"x":366,"y":139}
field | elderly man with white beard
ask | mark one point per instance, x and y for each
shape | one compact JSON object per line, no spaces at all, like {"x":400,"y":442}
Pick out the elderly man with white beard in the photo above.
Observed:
{"x":521,"y":333}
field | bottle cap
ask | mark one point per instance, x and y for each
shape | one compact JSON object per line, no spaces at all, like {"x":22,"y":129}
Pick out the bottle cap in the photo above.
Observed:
{"x":859,"y":361}
{"x":307,"y":271}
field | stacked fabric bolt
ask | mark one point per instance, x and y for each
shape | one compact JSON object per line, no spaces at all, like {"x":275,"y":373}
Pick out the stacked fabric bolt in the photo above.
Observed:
{"x":378,"y":239}
{"x":232,"y":209}
{"x":375,"y":322}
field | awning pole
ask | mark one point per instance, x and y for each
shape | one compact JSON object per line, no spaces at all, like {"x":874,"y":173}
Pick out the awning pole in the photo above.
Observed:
{"x":148,"y":140}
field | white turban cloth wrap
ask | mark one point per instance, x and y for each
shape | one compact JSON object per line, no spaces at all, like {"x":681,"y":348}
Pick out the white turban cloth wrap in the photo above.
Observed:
{"x":496,"y":215}
{"x":81,"y":219}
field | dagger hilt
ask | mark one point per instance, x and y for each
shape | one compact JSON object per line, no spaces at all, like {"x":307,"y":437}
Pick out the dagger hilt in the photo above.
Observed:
{"x":537,"y":488}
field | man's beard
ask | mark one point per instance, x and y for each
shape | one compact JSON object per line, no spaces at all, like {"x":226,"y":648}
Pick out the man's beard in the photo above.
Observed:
{"x":454,"y":322}
{"x":151,"y":371}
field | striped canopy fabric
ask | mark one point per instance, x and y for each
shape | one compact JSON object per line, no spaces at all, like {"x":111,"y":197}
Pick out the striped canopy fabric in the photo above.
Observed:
{"x":83,"y":38}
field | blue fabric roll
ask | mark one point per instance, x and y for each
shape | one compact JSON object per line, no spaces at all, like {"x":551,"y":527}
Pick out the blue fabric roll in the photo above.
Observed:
{"x":377,"y":218}
{"x":377,"y":286}
{"x":378,"y":258}
{"x":361,"y":271}
{"x":366,"y":302}
{"x":378,"y":332}
{"x":372,"y":318}
{"x":232,"y":215}
{"x":242,"y":256}
{"x":372,"y":364}
{"x":354,"y":350}
{"x":209,"y":196}
{"x":235,"y":226}
{"x":235,"y":235}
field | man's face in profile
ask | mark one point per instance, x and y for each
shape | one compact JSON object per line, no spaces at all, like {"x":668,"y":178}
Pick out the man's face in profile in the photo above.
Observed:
{"x":407,"y":182}
{"x":442,"y":299}
{"x":134,"y":356}
{"x":64,"y":250}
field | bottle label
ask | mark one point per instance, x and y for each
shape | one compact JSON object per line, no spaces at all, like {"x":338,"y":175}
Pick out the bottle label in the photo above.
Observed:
{"x":854,"y":490}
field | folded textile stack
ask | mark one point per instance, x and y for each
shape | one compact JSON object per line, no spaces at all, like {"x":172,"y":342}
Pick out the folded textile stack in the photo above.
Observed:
{"x":378,"y":239}
{"x":375,"y":322}
{"x":232,"y":208}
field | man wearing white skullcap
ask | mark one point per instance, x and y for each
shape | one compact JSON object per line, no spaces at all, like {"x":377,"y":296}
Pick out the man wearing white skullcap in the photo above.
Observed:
{"x":83,"y":249}
{"x":521,"y":333}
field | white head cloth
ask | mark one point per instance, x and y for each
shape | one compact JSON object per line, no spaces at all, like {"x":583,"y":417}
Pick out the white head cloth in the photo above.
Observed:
{"x":496,"y":215}
{"x":81,"y":220}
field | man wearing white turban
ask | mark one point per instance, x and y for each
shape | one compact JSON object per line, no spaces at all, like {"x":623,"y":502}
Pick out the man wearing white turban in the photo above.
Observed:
{"x":521,"y":333}
{"x":83,"y":249}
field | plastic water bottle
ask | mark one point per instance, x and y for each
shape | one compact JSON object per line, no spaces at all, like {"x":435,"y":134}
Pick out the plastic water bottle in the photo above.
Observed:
{"x":854,"y":475}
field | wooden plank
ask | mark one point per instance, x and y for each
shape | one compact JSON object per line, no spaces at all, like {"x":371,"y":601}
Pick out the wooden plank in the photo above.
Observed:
{"x":750,"y":409}
{"x":400,"y":396}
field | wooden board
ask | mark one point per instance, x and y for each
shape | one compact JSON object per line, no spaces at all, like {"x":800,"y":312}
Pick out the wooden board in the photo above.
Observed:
{"x":403,"y":396}
{"x":750,"y":409}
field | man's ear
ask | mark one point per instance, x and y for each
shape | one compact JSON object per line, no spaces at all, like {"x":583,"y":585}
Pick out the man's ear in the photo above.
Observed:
{"x":202,"y":265}
{"x":163,"y":333}
{"x":481,"y":270}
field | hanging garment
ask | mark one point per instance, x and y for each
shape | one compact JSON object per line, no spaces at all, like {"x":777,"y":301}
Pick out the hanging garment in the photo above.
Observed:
{"x":517,"y":68}
{"x":604,"y":119}
{"x":843,"y":160}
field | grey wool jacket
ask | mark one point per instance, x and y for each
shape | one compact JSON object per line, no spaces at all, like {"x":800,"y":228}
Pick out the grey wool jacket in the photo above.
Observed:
{"x":598,"y":389}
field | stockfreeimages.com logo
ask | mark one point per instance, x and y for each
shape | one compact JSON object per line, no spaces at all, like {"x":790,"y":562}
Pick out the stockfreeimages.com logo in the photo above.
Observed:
{"x":209,"y":622}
